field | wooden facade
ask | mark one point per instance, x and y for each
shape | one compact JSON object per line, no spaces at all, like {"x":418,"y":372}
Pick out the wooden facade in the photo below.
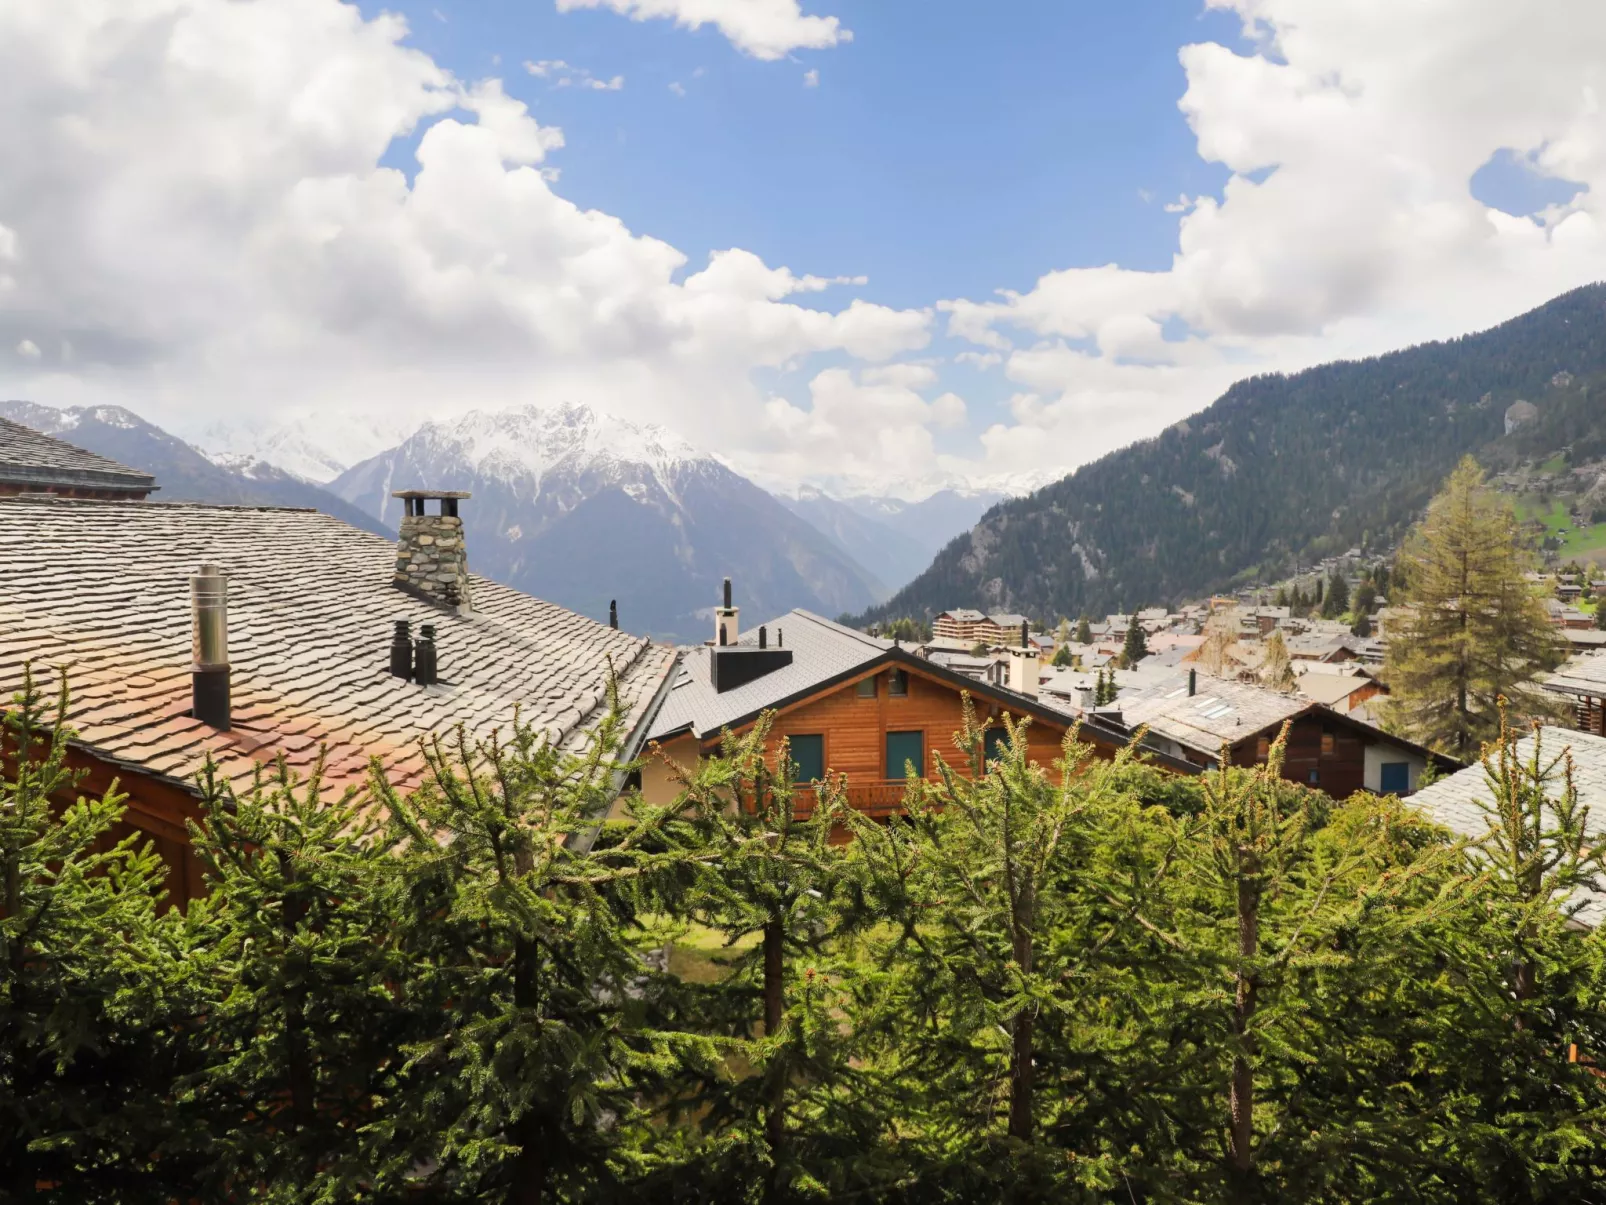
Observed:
{"x":864,"y":724}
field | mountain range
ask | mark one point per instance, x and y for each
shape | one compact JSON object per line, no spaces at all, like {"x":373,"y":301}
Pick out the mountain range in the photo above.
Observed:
{"x":582,"y":508}
{"x":182,"y":473}
{"x":1280,"y":471}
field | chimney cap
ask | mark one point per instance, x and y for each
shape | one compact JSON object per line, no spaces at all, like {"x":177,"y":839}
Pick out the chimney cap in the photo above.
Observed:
{"x":430,"y":494}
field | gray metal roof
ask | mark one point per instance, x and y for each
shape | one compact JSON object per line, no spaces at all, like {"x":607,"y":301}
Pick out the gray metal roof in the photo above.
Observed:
{"x":821,"y":650}
{"x":37,"y":461}
{"x":1458,"y":801}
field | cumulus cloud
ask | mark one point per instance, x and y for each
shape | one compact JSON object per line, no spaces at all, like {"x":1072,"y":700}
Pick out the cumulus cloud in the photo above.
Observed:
{"x":560,"y":74}
{"x":1348,"y":225}
{"x":198,"y":202}
{"x":811,"y":78}
{"x":764,"y":29}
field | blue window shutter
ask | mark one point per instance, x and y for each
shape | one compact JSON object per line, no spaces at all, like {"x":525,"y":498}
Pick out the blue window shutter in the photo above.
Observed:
{"x":1396,"y":778}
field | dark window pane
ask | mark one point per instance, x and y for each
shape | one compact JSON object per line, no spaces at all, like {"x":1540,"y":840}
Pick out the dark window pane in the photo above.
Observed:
{"x":1396,"y":778}
{"x":897,"y":683}
{"x":995,"y":744}
{"x":867,"y":687}
{"x":808,"y":757}
{"x":904,"y":749}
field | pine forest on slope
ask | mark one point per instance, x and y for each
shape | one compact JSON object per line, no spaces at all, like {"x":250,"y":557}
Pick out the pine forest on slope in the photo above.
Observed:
{"x":1281,"y":469}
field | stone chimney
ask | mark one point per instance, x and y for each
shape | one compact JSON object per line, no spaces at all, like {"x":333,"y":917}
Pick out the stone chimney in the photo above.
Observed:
{"x":431,"y":556}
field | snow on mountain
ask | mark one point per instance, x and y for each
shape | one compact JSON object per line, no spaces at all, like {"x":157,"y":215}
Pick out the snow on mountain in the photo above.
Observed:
{"x":581,"y":508}
{"x":315,"y":447}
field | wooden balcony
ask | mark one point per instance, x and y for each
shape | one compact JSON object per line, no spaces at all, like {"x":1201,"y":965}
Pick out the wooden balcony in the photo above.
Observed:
{"x":879,"y":798}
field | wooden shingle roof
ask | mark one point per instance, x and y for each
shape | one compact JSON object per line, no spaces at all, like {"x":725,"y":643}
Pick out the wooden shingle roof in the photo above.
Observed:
{"x":103,"y":589}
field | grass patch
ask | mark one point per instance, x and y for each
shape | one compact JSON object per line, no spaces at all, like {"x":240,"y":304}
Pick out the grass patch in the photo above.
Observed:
{"x":1556,"y":464}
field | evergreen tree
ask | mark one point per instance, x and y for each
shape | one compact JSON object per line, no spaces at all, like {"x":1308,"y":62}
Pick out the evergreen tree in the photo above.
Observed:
{"x":1084,"y":630}
{"x":1318,"y":599}
{"x":1475,"y":629}
{"x":1063,"y":633}
{"x":1003,"y":898}
{"x":1600,"y":617}
{"x":1136,"y":647}
{"x":1362,"y":625}
{"x":1337,"y":601}
{"x":1365,"y":598}
{"x":297,"y":934}
{"x":771,"y":884}
{"x":1062,"y":656}
{"x":1276,"y":667}
{"x":522,"y":917}
{"x":93,"y":999}
{"x":1282,"y":597}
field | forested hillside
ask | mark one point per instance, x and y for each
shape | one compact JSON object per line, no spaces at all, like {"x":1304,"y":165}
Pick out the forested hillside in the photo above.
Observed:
{"x":1279,"y":468}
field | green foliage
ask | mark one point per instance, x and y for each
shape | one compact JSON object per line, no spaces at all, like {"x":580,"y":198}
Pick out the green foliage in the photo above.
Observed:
{"x":1084,"y":630}
{"x":1062,"y":656}
{"x":1136,"y":646}
{"x":1337,"y":600}
{"x":91,"y":982}
{"x":1092,"y":981}
{"x":1475,"y":631}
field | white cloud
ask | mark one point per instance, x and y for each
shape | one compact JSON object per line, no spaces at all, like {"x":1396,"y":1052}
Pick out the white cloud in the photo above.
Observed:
{"x":981,"y":360}
{"x":560,"y":74}
{"x":1348,"y":225}
{"x":678,"y":88}
{"x":197,"y":200}
{"x":764,"y":29}
{"x":811,"y":78}
{"x":28,"y":349}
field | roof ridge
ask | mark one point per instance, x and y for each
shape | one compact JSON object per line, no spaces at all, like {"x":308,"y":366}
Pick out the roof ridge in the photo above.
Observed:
{"x":831,"y":624}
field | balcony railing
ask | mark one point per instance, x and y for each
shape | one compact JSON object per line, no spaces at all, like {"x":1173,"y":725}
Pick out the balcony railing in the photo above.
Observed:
{"x":877,"y":797}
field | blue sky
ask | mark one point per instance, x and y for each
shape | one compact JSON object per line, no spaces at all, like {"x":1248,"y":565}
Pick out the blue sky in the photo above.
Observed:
{"x":1058,"y":226}
{"x":941,"y":154}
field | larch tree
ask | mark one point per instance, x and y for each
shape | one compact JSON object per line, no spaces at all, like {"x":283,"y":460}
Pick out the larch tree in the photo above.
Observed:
{"x":1474,"y":628}
{"x":1276,"y":667}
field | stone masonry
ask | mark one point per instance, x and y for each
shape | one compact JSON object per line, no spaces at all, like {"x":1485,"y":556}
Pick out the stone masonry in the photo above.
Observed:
{"x":432,"y":558}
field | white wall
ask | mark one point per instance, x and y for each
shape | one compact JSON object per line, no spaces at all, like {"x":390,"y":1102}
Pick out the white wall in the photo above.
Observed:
{"x":1377,"y":753}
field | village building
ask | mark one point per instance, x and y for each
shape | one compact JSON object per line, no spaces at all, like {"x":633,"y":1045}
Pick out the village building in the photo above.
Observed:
{"x":851,"y":704}
{"x":31,"y":463}
{"x":1192,"y":716}
{"x":242,"y":635}
{"x":1582,"y":684}
{"x":959,"y":625}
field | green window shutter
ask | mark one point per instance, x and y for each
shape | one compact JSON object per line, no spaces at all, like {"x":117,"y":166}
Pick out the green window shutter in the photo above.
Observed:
{"x":995,"y":745}
{"x":904,"y":748}
{"x":808,"y":757}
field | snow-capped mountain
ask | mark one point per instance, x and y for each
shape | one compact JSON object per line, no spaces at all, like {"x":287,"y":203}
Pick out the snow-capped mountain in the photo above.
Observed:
{"x":182,"y":473}
{"x":582,"y":507}
{"x":315,"y":447}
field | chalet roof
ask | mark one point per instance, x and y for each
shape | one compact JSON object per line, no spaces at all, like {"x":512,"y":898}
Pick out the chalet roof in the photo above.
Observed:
{"x":1583,"y":675}
{"x":1457,"y":800}
{"x":103,"y":588}
{"x":963,"y":615}
{"x":37,"y":461}
{"x":1219,"y":711}
{"x":1006,"y":619}
{"x":823,"y":654}
{"x":1328,"y":689}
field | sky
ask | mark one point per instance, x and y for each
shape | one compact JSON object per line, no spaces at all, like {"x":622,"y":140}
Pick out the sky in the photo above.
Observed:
{"x":876,"y":245}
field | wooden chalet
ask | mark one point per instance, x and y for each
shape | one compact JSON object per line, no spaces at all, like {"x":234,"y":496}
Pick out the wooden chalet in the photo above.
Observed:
{"x":849,"y":704}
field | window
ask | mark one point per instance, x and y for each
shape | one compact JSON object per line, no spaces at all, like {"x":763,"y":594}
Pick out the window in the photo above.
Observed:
{"x":1315,"y":777}
{"x":1328,"y":742}
{"x":867,"y":687}
{"x":995,"y":744}
{"x":1396,"y":778}
{"x":808,"y":757}
{"x":1263,"y":748}
{"x":897,"y":684}
{"x":906,"y":754}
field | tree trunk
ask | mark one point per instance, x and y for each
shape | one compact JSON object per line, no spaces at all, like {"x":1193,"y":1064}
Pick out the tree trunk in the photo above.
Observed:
{"x":1020,"y":1055}
{"x":774,"y":1008}
{"x":1242,"y":1099}
{"x":297,"y":1058}
{"x":530,"y":1168}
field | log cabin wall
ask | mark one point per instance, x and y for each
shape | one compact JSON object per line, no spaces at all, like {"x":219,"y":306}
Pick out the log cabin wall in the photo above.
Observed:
{"x":1319,"y":754}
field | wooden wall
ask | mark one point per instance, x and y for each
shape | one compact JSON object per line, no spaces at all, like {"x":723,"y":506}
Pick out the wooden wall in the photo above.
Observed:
{"x":855,"y":729}
{"x":1340,"y":772}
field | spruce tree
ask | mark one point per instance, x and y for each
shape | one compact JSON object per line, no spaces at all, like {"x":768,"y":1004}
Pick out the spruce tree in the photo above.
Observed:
{"x":297,"y":932}
{"x":93,"y":990}
{"x":771,"y":883}
{"x":1337,"y":600}
{"x":1475,"y":629}
{"x":522,"y":917}
{"x":1084,"y":630}
{"x":1136,"y":647}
